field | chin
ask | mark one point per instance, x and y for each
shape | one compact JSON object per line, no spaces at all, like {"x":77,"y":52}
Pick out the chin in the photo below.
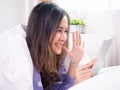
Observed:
{"x":58,"y":52}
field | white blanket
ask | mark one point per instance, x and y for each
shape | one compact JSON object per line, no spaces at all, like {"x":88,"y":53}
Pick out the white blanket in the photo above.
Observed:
{"x":107,"y":79}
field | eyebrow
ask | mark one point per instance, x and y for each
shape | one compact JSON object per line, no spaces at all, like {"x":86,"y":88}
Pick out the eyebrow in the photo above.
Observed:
{"x":63,"y":28}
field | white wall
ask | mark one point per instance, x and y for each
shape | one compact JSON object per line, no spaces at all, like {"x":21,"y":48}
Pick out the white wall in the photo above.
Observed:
{"x":99,"y":22}
{"x":13,"y":12}
{"x":106,"y":23}
{"x":114,"y":56}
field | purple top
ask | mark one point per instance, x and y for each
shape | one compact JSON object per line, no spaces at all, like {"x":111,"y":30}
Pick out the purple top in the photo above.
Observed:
{"x":64,"y":84}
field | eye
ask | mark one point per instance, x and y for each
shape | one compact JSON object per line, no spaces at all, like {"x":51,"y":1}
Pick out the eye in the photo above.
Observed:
{"x":59,"y":30}
{"x":66,"y":31}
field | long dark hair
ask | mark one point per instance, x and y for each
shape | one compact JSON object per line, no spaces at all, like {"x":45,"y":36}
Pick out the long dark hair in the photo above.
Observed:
{"x":43,"y":22}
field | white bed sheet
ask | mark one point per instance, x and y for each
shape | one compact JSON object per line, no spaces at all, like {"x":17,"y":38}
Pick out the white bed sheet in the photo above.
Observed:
{"x":107,"y":79}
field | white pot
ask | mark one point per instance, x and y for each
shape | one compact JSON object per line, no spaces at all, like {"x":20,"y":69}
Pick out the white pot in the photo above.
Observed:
{"x":74,"y":28}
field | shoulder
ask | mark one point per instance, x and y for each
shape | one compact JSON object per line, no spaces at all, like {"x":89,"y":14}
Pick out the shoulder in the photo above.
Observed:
{"x":37,"y":83}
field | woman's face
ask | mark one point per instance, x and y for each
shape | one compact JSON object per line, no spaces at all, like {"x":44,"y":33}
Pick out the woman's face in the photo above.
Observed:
{"x":60,"y":37}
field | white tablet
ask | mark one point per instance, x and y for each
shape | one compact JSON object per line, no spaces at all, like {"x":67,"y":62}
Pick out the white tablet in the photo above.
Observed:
{"x":101,"y":55}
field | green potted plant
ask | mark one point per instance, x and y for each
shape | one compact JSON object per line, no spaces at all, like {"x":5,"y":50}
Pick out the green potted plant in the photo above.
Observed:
{"x":77,"y":25}
{"x":78,"y":22}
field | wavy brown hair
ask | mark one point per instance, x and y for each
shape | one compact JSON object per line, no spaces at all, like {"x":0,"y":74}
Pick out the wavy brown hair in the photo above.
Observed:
{"x":43,"y":22}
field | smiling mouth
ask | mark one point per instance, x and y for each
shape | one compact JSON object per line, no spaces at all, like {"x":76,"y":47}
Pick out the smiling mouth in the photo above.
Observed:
{"x":59,"y":45}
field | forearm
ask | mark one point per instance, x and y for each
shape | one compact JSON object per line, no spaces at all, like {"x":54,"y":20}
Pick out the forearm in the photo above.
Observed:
{"x":72,"y":69}
{"x":72,"y":72}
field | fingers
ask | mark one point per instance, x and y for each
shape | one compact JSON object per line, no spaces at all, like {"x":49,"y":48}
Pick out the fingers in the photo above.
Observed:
{"x":87,"y":70}
{"x":76,"y":39}
{"x":73,"y":39}
{"x":84,"y":71}
{"x":85,"y":74}
{"x":89,"y":65}
{"x":92,"y":62}
{"x":85,"y":78}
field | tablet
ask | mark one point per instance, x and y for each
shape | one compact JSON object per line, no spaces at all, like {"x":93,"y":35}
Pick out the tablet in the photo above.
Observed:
{"x":101,"y":55}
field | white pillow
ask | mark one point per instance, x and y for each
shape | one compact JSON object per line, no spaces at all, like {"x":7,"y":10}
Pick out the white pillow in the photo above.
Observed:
{"x":16,"y":69}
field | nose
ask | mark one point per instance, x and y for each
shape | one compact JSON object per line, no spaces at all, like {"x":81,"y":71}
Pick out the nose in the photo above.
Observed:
{"x":63,"y":37}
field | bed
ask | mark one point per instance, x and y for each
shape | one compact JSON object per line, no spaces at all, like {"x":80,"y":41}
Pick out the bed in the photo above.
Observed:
{"x":107,"y":79}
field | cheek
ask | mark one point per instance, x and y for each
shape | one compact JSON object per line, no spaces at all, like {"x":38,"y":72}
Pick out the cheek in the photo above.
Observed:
{"x":66,"y":36}
{"x":53,"y":39}
{"x":57,"y":37}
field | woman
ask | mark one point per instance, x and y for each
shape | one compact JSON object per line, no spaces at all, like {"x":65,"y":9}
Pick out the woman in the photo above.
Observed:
{"x":47,"y":41}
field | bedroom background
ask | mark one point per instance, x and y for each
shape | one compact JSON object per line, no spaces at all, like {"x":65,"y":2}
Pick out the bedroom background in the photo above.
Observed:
{"x":102,"y":17}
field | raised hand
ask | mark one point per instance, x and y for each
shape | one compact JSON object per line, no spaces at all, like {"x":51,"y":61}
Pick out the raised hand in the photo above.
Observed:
{"x":77,"y":51}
